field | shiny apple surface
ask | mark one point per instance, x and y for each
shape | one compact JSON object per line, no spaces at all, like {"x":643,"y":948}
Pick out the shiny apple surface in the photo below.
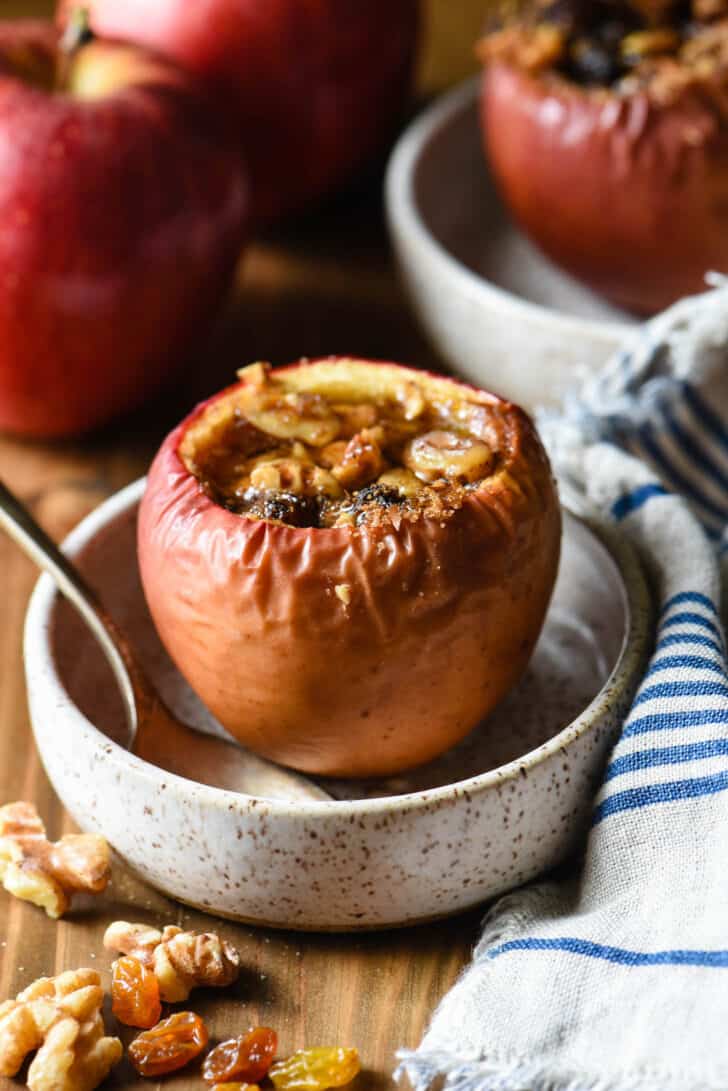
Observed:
{"x":318,"y":85}
{"x":123,"y":209}
{"x":627,"y":194}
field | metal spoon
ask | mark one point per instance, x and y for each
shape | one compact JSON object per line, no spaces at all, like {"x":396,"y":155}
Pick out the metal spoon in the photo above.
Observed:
{"x":156,"y":734}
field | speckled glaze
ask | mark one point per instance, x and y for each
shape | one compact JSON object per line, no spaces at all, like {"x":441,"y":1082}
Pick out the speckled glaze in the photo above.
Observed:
{"x":495,"y":308}
{"x":445,"y":841}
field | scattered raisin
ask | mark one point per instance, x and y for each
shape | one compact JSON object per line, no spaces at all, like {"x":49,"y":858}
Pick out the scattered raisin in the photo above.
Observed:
{"x":245,"y":1059}
{"x":170,"y":1045}
{"x":134,"y":993}
{"x":235,"y":1086}
{"x":316,"y":1069}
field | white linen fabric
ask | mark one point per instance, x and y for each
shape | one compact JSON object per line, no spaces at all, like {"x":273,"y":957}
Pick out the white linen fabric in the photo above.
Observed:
{"x":616,"y":978}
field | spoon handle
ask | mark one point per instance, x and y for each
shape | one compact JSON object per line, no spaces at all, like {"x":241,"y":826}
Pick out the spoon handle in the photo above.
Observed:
{"x":20,"y":525}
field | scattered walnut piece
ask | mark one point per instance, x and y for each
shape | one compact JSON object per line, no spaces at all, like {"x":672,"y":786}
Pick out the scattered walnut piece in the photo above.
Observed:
{"x":48,"y":873}
{"x":60,"y":1017}
{"x":180,"y":960}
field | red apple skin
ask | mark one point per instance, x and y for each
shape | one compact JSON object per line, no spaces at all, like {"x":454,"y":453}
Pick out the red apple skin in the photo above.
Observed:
{"x":441,"y":620}
{"x":626,"y":194}
{"x":319,"y":84}
{"x":121,"y":221}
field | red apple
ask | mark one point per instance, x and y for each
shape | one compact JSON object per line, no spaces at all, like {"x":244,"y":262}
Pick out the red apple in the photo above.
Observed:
{"x":122,"y":211}
{"x":318,"y":83}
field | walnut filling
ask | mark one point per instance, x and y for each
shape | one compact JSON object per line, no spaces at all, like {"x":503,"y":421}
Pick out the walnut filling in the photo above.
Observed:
{"x":656,"y":45}
{"x":273,"y":451}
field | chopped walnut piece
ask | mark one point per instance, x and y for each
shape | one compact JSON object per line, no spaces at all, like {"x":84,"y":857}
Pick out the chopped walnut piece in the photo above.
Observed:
{"x":362,"y":460}
{"x":48,"y":873}
{"x":654,"y":12}
{"x":343,"y":592}
{"x":412,"y":400}
{"x":705,"y":10}
{"x":60,"y":1017}
{"x":649,"y":43}
{"x":255,"y":374}
{"x":533,"y":48}
{"x":181,"y":960}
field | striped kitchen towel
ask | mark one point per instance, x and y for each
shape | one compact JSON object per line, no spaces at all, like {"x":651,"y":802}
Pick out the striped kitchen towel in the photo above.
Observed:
{"x":616,"y":979}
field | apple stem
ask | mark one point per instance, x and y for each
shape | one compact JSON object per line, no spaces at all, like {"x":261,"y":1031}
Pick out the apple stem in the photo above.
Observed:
{"x":78,"y":33}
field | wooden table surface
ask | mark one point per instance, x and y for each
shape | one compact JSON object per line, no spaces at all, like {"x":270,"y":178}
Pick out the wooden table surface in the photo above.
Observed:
{"x":324,"y":286}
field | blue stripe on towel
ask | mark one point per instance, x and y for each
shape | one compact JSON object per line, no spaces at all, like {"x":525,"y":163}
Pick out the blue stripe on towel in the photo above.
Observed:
{"x":691,"y":448}
{"x":683,"y":483}
{"x":677,"y":662}
{"x":688,"y":638}
{"x":705,"y":414}
{"x":631,"y":501}
{"x":674,"y":791}
{"x":689,"y":596}
{"x":690,"y":618}
{"x":667,"y":721}
{"x":716,"y":960}
{"x":666,"y":755}
{"x":667,"y":690}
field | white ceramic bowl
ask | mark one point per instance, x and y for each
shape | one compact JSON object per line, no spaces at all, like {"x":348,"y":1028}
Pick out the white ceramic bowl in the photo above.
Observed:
{"x":495,"y":308}
{"x":505,"y":804}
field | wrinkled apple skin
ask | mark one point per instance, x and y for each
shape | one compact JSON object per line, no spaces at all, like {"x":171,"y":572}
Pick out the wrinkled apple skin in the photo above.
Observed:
{"x":318,"y":84}
{"x":121,"y":220}
{"x":442,"y":617}
{"x":626,"y":194}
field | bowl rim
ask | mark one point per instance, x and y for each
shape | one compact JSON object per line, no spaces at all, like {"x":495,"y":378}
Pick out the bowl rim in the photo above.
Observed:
{"x":406,"y":221}
{"x":41,"y":671}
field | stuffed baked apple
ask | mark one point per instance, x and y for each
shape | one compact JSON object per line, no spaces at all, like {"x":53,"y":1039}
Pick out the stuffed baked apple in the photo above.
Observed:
{"x":606,"y":129}
{"x":350,"y":562}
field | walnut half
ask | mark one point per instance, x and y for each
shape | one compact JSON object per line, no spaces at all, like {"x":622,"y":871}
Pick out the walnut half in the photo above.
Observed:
{"x":60,"y":1017}
{"x":48,"y":873}
{"x":181,"y":960}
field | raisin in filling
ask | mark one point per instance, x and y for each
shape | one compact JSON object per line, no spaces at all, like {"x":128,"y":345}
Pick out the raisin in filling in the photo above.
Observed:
{"x":276,"y":453}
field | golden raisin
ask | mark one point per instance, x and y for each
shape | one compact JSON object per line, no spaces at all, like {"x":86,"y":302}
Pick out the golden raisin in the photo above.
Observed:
{"x":246,"y":1059}
{"x":134,"y":993}
{"x":170,"y":1045}
{"x":234,"y":1086}
{"x":316,"y":1069}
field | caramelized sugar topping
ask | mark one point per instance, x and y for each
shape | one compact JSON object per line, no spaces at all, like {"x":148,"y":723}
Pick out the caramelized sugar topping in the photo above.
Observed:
{"x":272,"y":451}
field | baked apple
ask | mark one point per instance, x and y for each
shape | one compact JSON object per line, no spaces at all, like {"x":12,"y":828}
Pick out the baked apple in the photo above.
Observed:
{"x":350,"y":562}
{"x":606,"y":130}
{"x":318,"y":84}
{"x":122,"y":212}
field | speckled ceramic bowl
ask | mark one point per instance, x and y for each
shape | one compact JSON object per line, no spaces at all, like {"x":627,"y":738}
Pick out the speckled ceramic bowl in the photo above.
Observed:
{"x":493,"y":812}
{"x":494,"y":307}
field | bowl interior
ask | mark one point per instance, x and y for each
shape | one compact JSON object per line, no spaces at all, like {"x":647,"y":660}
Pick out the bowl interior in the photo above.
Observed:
{"x":580,"y":645}
{"x":457,"y":202}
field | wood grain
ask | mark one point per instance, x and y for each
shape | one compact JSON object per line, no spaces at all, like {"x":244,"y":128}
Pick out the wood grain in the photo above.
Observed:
{"x":326,"y":285}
